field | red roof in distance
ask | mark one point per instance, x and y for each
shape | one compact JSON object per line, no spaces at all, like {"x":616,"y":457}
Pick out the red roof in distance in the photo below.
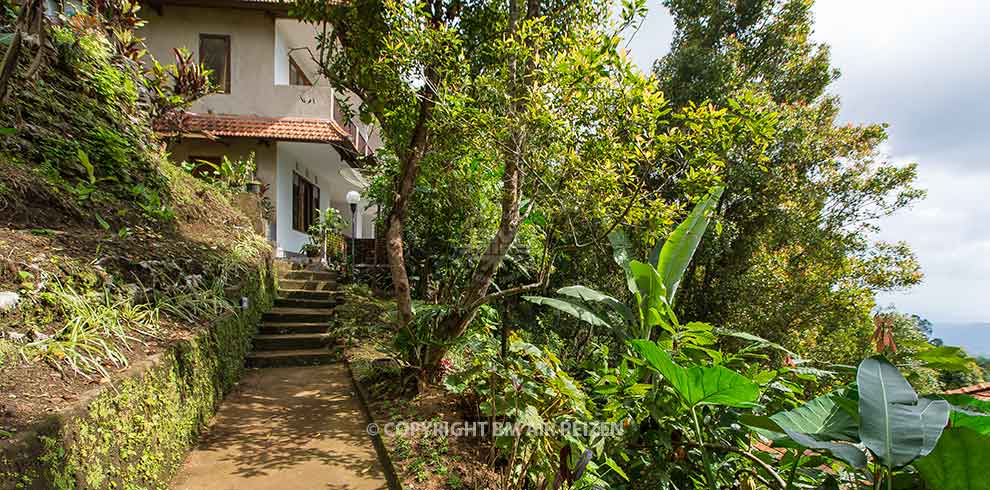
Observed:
{"x":980,"y":391}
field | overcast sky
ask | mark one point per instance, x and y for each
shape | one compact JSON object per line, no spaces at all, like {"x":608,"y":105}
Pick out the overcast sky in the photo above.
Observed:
{"x":924,"y":68}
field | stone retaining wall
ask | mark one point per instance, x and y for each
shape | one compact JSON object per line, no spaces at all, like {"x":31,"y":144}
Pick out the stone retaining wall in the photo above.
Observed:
{"x":135,"y":433}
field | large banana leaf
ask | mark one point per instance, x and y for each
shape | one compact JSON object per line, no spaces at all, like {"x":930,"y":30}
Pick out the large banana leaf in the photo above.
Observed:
{"x":589,"y":295}
{"x":959,"y":462}
{"x":650,"y":285}
{"x":893,"y":423}
{"x":671,"y":258}
{"x":934,"y":419}
{"x":822,"y":424}
{"x":700,"y":385}
{"x":822,"y":418}
{"x":580,"y":312}
{"x":843,"y":450}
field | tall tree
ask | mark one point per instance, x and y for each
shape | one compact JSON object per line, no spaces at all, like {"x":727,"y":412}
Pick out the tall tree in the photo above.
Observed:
{"x":795,"y":261}
{"x":535,"y":100}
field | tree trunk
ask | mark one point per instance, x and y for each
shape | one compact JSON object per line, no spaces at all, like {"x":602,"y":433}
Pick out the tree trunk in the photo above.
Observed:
{"x":405,"y":183}
{"x":10,"y":63}
{"x":31,"y":21}
{"x":454,"y":325}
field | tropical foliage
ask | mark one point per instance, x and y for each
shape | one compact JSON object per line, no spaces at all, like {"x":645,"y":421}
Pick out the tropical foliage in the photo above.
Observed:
{"x":521,"y":141}
{"x":797,"y":261}
{"x":678,"y":263}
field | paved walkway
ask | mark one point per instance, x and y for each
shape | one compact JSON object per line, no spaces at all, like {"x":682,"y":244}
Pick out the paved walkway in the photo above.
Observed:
{"x":285,"y":429}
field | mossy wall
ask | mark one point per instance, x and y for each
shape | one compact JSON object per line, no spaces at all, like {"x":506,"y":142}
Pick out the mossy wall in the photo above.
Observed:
{"x":135,"y":433}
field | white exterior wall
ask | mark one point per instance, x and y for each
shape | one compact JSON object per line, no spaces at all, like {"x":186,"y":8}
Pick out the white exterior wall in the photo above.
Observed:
{"x":321,"y":165}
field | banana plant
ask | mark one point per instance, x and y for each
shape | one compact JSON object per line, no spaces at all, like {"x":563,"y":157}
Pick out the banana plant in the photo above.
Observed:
{"x":653,"y":284}
{"x":883,"y":417}
{"x":962,"y":455}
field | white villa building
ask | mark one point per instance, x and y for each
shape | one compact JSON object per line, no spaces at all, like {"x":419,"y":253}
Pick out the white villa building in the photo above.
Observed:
{"x":272,"y":104}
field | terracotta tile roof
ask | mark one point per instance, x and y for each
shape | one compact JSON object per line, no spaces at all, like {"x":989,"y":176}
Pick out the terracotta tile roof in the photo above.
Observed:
{"x":310,"y":130}
{"x":980,"y":391}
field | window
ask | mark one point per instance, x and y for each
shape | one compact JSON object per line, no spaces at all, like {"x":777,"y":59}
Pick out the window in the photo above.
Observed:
{"x":305,"y":203}
{"x":296,"y":75}
{"x":214,"y":53}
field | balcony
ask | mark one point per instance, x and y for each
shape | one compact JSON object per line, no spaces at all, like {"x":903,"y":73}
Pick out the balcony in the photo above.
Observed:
{"x":271,"y":101}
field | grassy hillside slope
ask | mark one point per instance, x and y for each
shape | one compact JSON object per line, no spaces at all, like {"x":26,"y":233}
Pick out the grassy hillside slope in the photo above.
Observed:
{"x":114,"y":253}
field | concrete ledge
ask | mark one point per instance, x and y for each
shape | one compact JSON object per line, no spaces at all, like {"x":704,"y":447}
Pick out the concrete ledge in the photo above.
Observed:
{"x":390,"y":476}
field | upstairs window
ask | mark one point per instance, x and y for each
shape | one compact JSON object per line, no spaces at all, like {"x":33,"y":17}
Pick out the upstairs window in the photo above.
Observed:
{"x":296,"y":74}
{"x":214,"y":53}
{"x":305,"y":203}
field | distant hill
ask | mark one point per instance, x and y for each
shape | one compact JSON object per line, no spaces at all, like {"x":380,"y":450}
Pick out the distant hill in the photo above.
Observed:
{"x":974,"y":337}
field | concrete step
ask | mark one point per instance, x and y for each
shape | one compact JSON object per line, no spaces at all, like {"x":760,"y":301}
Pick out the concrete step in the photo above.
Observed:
{"x":277,"y":328}
{"x":309,"y":294}
{"x":283,"y":358}
{"x":297,"y":275}
{"x":298,"y":315}
{"x":319,"y":304}
{"x":293,"y":341}
{"x":308,"y":285}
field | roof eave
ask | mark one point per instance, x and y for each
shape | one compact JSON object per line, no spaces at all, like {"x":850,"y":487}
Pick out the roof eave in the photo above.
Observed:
{"x":279,"y":9}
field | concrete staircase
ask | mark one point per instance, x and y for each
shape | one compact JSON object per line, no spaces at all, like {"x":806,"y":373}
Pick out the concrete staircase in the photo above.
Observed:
{"x":295,"y":331}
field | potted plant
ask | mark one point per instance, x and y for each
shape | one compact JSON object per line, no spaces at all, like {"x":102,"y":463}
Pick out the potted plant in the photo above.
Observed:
{"x":253,"y":186}
{"x":324,"y":235}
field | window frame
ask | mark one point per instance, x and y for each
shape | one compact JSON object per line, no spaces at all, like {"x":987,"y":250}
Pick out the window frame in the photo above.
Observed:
{"x":300,"y":186}
{"x":300,"y":72}
{"x":226,"y":39}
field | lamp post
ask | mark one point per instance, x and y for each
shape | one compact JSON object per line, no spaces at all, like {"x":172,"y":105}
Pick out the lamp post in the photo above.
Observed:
{"x":353,"y":198}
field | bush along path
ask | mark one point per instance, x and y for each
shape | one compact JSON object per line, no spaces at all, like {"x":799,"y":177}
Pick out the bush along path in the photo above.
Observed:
{"x":293,"y":421}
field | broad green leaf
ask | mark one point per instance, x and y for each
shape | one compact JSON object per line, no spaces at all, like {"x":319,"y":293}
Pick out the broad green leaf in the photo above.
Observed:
{"x":676,"y":252}
{"x":577,"y":311}
{"x":648,"y":283}
{"x":7,"y":131}
{"x":843,"y":450}
{"x":945,"y":358}
{"x":821,"y":418}
{"x":588,"y":294}
{"x":700,"y":385}
{"x":893,"y":424}
{"x":978,"y":423}
{"x":967,"y":402}
{"x":821,"y":424}
{"x":959,"y":461}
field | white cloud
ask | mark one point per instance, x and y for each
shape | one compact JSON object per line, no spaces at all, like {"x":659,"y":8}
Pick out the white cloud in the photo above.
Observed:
{"x":921,"y":67}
